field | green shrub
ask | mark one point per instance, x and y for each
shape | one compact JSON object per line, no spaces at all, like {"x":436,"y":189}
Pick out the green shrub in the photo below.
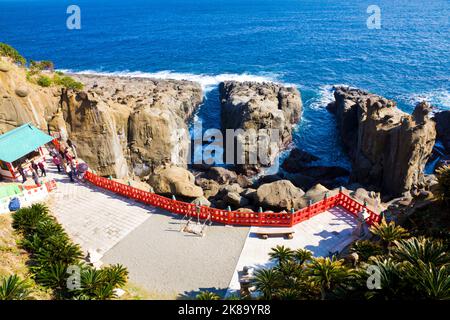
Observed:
{"x":13,"y":288}
{"x":44,"y":81}
{"x":8,"y":51}
{"x":67,"y":82}
{"x":42,"y":65}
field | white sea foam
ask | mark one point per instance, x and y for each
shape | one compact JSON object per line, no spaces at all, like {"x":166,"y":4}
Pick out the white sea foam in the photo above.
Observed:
{"x":326,"y":95}
{"x":208,"y":82}
{"x":438,"y":98}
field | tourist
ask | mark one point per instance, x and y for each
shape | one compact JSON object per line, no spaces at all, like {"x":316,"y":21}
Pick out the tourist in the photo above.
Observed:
{"x":35,"y":177}
{"x":67,"y":155}
{"x":34,"y":166}
{"x":41,"y":166}
{"x":73,"y":147}
{"x":57,"y":162}
{"x":22,"y":173}
{"x":69,"y":173}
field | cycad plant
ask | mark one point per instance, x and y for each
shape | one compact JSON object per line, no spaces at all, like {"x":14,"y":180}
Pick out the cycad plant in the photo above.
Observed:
{"x":328,"y":273}
{"x":207,"y":295}
{"x":13,"y":288}
{"x":267,"y":281}
{"x":281,"y":254}
{"x":422,"y":249}
{"x":388,"y":232}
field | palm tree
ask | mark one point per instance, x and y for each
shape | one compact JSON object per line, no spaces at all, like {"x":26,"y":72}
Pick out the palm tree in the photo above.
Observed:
{"x":13,"y":288}
{"x":388,"y":232}
{"x":366,"y":249}
{"x":281,"y":254}
{"x":391,"y":277}
{"x":28,"y":219}
{"x":328,"y":273}
{"x":421,"y":249}
{"x":266,"y":281}
{"x":302,"y":255}
{"x":207,"y":295}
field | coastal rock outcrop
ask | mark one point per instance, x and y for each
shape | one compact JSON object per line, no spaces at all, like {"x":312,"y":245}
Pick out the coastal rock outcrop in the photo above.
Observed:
{"x":442,"y":120}
{"x":148,"y":121}
{"x":21,"y":101}
{"x":261,"y":108}
{"x":279,"y":195}
{"x":175,"y":181}
{"x":388,"y":147}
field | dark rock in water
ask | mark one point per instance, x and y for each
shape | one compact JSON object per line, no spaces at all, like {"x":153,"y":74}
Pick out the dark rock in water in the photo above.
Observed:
{"x":301,"y":181}
{"x":297,"y":159}
{"x":442,"y":120}
{"x":324,"y":173}
{"x":388,"y":148}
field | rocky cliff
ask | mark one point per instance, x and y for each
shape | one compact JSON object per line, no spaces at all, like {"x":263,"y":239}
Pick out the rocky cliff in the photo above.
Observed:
{"x":121,"y":126}
{"x":388,"y":148}
{"x":262,"y":107}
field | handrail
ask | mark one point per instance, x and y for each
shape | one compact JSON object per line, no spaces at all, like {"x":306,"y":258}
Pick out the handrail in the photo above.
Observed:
{"x":281,"y":219}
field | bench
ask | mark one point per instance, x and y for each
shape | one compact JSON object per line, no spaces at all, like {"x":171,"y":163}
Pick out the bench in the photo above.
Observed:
{"x":264,"y":233}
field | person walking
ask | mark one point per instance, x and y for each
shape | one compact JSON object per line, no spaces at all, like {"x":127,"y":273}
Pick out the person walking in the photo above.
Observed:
{"x":22,"y":173}
{"x":57,"y":162}
{"x":41,"y":166}
{"x":73,"y":147}
{"x":34,"y":166}
{"x":35,"y":177}
{"x":69,"y":173}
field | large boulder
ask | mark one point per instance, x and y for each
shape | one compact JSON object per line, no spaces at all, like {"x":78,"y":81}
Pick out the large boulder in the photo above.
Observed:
{"x":279,"y":195}
{"x":174,"y":181}
{"x":210,"y":187}
{"x":388,"y":147}
{"x":267,"y":108}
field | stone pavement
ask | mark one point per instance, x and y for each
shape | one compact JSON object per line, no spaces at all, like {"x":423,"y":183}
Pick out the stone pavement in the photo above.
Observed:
{"x":94,"y":218}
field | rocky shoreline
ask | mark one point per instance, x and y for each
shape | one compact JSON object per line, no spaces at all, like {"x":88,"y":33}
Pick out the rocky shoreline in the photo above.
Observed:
{"x":137,"y":129}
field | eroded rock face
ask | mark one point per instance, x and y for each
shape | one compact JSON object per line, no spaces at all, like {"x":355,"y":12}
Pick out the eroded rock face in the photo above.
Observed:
{"x":388,"y":148}
{"x":143,"y":123}
{"x":21,"y":101}
{"x":442,"y":120}
{"x":279,"y":195}
{"x":260,"y":107}
{"x":174,"y":181}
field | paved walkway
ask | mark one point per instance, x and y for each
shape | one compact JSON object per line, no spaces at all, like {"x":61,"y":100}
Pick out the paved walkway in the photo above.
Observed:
{"x":93,"y":218}
{"x":171,"y":264}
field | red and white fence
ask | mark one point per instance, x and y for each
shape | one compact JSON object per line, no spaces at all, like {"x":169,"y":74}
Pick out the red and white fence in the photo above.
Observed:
{"x":234,"y":217}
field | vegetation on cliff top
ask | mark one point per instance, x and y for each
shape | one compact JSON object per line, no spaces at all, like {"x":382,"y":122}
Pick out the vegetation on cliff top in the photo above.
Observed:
{"x":8,"y":51}
{"x":37,"y":68}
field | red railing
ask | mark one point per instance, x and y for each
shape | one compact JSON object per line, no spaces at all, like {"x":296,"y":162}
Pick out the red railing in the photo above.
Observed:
{"x":281,"y":219}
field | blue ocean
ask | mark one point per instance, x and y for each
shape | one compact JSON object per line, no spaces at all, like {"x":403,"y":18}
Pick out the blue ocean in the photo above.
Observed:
{"x":312,"y":44}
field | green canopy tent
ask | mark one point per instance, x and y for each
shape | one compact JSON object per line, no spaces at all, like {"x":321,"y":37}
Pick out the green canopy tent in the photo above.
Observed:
{"x":19,"y":143}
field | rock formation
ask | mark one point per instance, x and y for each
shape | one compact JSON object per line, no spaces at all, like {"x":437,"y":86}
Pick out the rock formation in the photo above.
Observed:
{"x":442,"y":120}
{"x":22,"y":102}
{"x":388,"y":148}
{"x":279,"y":195}
{"x":121,"y":126}
{"x":175,"y":181}
{"x":260,"y":107}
